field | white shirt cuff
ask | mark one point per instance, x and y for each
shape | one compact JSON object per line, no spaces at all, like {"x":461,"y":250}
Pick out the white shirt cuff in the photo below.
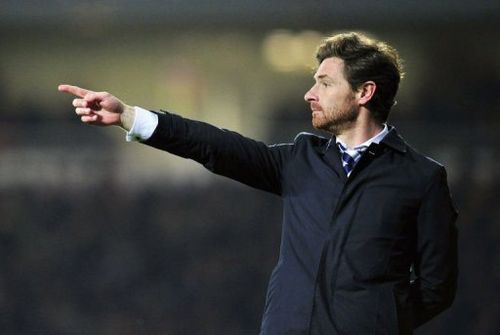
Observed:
{"x":145,"y":123}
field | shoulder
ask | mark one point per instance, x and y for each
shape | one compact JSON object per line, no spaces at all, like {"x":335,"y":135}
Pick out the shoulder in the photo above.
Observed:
{"x":307,"y":143}
{"x":423,"y":160}
{"x":304,"y":143}
{"x":310,"y":139}
{"x":411,"y":157}
{"x":427,"y":167}
{"x":412,"y":163}
{"x":304,"y":139}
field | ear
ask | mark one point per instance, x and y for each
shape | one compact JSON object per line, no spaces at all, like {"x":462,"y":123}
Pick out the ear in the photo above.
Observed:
{"x":366,"y":92}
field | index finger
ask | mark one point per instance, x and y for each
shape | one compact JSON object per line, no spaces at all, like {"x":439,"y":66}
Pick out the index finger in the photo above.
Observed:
{"x":75,"y":90}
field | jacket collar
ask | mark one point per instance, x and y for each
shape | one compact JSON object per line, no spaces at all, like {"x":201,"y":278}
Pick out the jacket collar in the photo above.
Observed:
{"x":394,"y":140}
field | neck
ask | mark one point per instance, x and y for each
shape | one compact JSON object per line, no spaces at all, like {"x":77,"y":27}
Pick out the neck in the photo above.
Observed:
{"x":360,"y":131}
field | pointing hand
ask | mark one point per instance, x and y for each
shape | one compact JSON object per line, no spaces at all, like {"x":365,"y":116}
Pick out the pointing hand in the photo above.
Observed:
{"x":99,"y":108}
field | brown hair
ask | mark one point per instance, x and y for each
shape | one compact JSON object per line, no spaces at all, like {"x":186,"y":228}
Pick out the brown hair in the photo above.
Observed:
{"x":367,"y":59}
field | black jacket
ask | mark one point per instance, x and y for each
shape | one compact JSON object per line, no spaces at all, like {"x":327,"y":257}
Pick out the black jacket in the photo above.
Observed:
{"x":371,"y":254}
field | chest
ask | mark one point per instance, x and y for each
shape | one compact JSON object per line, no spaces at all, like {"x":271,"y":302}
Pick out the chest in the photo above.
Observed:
{"x":382,"y":195}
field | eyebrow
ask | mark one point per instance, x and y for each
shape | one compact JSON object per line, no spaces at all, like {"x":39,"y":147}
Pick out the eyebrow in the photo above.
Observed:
{"x":322,"y":76}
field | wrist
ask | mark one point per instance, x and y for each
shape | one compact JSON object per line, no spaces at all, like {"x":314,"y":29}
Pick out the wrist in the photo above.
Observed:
{"x":127,"y":117}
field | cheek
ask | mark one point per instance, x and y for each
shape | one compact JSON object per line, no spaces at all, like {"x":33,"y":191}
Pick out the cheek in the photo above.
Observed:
{"x":330,"y":107}
{"x":339,"y":102}
{"x":330,"y":100}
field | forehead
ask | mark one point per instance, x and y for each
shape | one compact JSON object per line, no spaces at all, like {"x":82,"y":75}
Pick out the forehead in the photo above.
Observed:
{"x":331,"y":67}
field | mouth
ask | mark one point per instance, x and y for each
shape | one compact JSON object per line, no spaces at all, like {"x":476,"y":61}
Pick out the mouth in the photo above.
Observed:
{"x":316,"y":111}
{"x":315,"y":108}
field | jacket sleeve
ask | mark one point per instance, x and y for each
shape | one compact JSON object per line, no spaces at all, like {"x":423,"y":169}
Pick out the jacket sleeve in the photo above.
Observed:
{"x":221,"y":151}
{"x":435,"y":267}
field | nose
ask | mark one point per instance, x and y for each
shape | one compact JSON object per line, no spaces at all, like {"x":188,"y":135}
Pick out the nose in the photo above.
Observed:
{"x":310,"y":95}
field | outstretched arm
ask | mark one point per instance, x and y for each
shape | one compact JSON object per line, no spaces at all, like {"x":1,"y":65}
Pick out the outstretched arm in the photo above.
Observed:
{"x":223,"y":152}
{"x":100,"y":108}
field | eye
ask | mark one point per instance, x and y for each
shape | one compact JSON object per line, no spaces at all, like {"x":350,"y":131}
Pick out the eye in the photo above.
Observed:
{"x":325,"y":84}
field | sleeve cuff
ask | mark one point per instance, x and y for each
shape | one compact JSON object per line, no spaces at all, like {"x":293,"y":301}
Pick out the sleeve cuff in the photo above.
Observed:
{"x":145,"y":123}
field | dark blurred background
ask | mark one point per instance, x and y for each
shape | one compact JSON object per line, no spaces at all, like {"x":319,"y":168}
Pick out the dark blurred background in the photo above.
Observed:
{"x":99,"y":236}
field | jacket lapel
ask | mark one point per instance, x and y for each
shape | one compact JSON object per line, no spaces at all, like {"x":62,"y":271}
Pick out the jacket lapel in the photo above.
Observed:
{"x":331,"y":155}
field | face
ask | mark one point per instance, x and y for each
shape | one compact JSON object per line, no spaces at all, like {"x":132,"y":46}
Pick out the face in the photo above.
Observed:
{"x":333,"y":102}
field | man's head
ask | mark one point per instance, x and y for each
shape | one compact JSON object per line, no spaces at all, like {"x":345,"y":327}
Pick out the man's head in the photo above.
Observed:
{"x":372,"y":70}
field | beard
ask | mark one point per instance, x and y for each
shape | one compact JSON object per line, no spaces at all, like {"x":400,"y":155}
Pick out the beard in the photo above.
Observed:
{"x":334,"y":120}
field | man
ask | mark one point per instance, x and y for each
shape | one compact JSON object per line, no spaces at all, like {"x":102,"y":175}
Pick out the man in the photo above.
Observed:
{"x":369,"y":242}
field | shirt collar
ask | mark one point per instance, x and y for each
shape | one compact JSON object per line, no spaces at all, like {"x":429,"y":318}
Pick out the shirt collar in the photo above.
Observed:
{"x":375,"y":139}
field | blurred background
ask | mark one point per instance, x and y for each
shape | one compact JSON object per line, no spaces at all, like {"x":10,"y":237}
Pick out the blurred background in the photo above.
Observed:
{"x":100,"y":236}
